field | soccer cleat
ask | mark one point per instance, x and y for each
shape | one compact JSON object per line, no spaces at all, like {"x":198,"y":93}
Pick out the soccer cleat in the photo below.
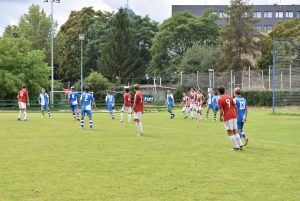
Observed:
{"x":140,"y":134}
{"x":241,"y":148}
{"x":235,"y":149}
{"x":18,"y":119}
{"x":246,"y":142}
{"x":121,"y":121}
{"x":25,"y":119}
{"x":185,"y":118}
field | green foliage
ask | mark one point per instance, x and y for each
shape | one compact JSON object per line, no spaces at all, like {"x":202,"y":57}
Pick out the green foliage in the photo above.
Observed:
{"x":20,"y":64}
{"x":98,"y":83}
{"x":199,"y":58}
{"x":286,"y":28}
{"x":121,"y":60}
{"x":238,"y":36}
{"x":176,"y":35}
{"x":265,"y":44}
{"x":177,"y":93}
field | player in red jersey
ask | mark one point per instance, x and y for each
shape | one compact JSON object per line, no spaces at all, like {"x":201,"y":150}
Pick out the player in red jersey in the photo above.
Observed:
{"x":199,"y":103}
{"x":185,"y":104}
{"x":138,"y":108}
{"x":126,"y":105}
{"x":193,"y":105}
{"x":228,"y":114}
{"x":22,"y":99}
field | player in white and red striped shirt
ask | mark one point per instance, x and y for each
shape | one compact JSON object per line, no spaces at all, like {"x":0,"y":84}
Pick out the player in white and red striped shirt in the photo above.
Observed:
{"x":193,"y":105}
{"x":199,"y":103}
{"x":185,"y":104}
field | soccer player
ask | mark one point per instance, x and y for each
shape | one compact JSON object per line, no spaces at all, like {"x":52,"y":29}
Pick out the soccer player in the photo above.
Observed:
{"x":126,"y":105}
{"x":138,"y":108}
{"x":186,"y":104}
{"x":23,"y":97}
{"x":86,"y":101}
{"x":214,"y":103}
{"x":170,"y":103}
{"x":228,"y":114}
{"x":199,"y":103}
{"x":242,"y":107}
{"x":44,"y":102}
{"x":110,"y":102}
{"x":193,"y":106}
{"x":73,"y":99}
{"x":209,"y":101}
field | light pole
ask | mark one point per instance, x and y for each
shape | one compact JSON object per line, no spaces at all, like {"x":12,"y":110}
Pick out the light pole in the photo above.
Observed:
{"x":211,"y":73}
{"x":52,"y":42}
{"x":81,"y":38}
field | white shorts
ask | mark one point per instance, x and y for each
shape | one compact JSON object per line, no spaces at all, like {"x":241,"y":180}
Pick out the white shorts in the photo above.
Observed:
{"x":193,"y":106}
{"x":126,"y":109}
{"x":186,"y":109}
{"x":22,"y":105}
{"x":137,"y":115}
{"x":231,"y":124}
{"x":199,"y":108}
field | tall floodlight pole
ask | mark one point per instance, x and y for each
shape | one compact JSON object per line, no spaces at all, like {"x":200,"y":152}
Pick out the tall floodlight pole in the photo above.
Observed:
{"x":273,"y":74}
{"x":211,"y":75}
{"x":81,"y":38}
{"x":52,"y":50}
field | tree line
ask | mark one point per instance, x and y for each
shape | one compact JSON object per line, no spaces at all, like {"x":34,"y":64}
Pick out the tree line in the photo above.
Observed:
{"x":122,"y":47}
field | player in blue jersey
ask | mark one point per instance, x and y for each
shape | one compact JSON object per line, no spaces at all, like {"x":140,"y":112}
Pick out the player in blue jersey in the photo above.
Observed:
{"x":214,"y":103}
{"x":86,"y":101}
{"x":44,"y":102}
{"x":209,"y":101}
{"x":242,"y":108}
{"x":110,"y":102}
{"x":170,"y":103}
{"x":73,"y":99}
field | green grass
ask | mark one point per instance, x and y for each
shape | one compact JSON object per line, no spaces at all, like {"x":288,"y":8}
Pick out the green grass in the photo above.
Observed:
{"x":52,"y":159}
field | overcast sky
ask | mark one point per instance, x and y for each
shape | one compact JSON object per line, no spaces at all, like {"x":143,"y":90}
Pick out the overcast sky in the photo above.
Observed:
{"x":11,"y":10}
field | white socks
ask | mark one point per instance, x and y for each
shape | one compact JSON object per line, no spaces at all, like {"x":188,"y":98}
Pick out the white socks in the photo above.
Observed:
{"x":234,"y":142}
{"x":25,"y":115}
{"x":19,"y":116}
{"x":122,"y":116}
{"x":238,"y":140}
{"x":129,"y":117}
{"x":140,"y":127}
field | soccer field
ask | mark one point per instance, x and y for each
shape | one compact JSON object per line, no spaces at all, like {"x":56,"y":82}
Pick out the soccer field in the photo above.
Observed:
{"x":53,"y":159}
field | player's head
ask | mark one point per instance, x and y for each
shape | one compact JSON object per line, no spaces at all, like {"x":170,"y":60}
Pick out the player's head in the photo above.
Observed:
{"x":221,"y":90}
{"x":192,"y":89}
{"x":168,"y":91}
{"x":72,"y":88}
{"x":24,"y":86}
{"x":237,"y":91}
{"x":43,"y":90}
{"x":215,"y":92}
{"x":136,"y":87}
{"x":209,"y":90}
{"x":183,"y":94}
{"x":198,"y":91}
{"x":127,"y":90}
{"x":87,"y":88}
{"x":108,"y":93}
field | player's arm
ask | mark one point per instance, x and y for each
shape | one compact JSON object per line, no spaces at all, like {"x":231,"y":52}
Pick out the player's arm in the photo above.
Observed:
{"x":221,"y":114}
{"x":173,"y":100}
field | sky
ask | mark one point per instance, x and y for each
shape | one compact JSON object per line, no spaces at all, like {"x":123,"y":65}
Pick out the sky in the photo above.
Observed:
{"x":158,"y":10}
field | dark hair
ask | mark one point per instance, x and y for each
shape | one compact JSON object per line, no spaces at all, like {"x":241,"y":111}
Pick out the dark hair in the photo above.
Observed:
{"x":237,"y":91}
{"x":127,"y":90}
{"x":23,"y":86}
{"x":221,"y":90}
{"x":87,"y":88}
{"x":137,"y":87}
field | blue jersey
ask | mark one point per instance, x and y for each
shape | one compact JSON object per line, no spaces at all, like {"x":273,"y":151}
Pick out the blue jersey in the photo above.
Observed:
{"x":110,"y":100}
{"x":210,"y":98}
{"x":86,"y":100}
{"x":170,"y":99}
{"x":44,"y":98}
{"x":73,"y":97}
{"x":241,"y":105}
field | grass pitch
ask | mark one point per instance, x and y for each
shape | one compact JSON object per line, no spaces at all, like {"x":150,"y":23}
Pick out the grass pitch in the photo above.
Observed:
{"x":53,"y":159}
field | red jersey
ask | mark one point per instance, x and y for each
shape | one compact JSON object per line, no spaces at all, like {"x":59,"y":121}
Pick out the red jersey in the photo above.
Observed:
{"x":227,"y":104}
{"x":22,"y":95}
{"x":127,"y":100}
{"x":199,"y":99}
{"x":138,"y":102}
{"x":186,"y":101}
{"x":193,"y":96}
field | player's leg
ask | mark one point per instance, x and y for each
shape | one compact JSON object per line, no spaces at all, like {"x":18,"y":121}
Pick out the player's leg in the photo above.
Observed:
{"x":229,"y":130}
{"x":90,"y":114}
{"x":191,"y":112}
{"x":170,"y":109}
{"x":200,"y":113}
{"x":25,"y":113}
{"x":235,"y":133}
{"x":122,"y":114}
{"x":112,"y":112}
{"x":43,"y":110}
{"x":184,"y":112}
{"x":73,"y":111}
{"x":48,"y":110}
{"x":82,"y":118}
{"x":20,"y":111}
{"x":207,"y":111}
{"x":243,"y":134}
{"x":215,"y":113}
{"x":137,"y":119}
{"x":76,"y":111}
{"x":129,"y":114}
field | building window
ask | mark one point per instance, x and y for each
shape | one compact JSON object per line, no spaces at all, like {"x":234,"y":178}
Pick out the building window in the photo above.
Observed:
{"x":268,"y":27}
{"x":221,"y":14}
{"x":257,"y":14}
{"x":298,"y":14}
{"x":278,"y":14}
{"x":289,"y":14}
{"x":258,"y":28}
{"x":268,"y":14}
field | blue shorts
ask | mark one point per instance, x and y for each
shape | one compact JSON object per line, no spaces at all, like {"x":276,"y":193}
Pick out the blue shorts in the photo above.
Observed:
{"x":210,"y":106}
{"x":110,"y":108}
{"x":74,"y":107}
{"x":87,"y":112}
{"x":240,"y":126}
{"x":170,"y":106}
{"x":44,"y":107}
{"x":215,"y":108}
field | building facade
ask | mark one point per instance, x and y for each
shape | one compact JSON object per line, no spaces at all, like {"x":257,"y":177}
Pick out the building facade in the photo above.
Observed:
{"x":268,"y":15}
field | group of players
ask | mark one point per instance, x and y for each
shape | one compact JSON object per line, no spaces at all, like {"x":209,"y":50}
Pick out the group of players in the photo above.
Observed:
{"x":233,"y":112}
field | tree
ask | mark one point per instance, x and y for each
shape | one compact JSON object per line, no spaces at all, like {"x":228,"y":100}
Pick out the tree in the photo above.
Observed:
{"x":238,"y":36}
{"x":20,"y":64}
{"x":77,"y":23}
{"x":199,"y":58}
{"x":98,"y":83}
{"x":265,"y":44}
{"x":176,"y":35}
{"x":121,"y":60}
